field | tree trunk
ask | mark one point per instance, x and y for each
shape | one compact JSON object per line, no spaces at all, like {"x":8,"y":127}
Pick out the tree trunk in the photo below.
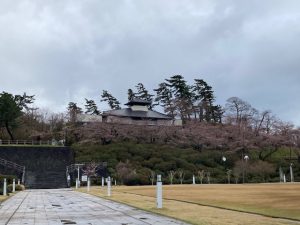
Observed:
{"x":9,"y":131}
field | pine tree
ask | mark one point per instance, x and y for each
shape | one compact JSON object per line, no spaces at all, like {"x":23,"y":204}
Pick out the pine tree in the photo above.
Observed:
{"x":73,"y":110}
{"x":131,"y":95}
{"x":203,"y":99}
{"x":10,"y":111}
{"x":111,"y":100}
{"x":91,"y":107}
{"x":182,"y":95}
{"x":143,"y":93}
{"x":164,"y":97}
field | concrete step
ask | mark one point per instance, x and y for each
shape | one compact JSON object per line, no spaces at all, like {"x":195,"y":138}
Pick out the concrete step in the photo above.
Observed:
{"x":47,"y":179}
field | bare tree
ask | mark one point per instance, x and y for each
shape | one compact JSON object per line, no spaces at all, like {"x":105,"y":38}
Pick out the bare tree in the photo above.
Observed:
{"x":90,"y":169}
{"x":125,"y":172}
{"x":208,"y":177}
{"x":181,"y":174}
{"x":238,"y":109}
{"x":238,"y":170}
{"x":152,"y":176}
{"x":201,"y":175}
{"x":171,"y":175}
{"x":228,"y":172}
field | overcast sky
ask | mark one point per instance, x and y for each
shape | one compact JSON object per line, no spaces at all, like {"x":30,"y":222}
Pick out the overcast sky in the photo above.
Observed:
{"x":68,"y":50}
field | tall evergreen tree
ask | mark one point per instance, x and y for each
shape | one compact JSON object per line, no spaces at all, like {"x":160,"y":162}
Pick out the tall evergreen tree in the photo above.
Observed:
{"x":11,"y":109}
{"x":179,"y":87}
{"x":182,"y":95}
{"x":203,"y":99}
{"x":143,"y":93}
{"x":111,"y":100}
{"x":91,"y":107}
{"x":130,"y":94}
{"x":73,"y":110}
{"x":164,"y":97}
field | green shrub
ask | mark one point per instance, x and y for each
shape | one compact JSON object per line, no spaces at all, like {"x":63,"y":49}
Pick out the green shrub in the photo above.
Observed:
{"x":9,"y":188}
{"x":9,"y":178}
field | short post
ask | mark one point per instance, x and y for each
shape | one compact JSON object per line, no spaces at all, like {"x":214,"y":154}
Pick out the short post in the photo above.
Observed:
{"x":108,"y":187}
{"x":76,"y":183}
{"x":115,"y":182}
{"x":14,"y":186}
{"x":159,"y":192}
{"x":194,"y":182}
{"x":284,"y":178}
{"x":88,"y":184}
{"x":19,"y":182}
{"x":102,"y":182}
{"x":78,"y":175}
{"x":4,"y":187}
{"x":291,"y":172}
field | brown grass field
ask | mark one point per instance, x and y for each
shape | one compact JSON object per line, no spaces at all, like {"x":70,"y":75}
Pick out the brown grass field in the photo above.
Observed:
{"x":216,"y":204}
{"x":2,"y":198}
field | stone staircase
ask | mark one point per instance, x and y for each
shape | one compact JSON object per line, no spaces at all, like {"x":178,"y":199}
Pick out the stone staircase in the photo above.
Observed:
{"x":45,"y":166}
{"x":46,"y":179}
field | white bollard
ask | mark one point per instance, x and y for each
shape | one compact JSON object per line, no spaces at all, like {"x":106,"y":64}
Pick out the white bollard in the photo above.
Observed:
{"x":76,"y":183}
{"x":159,"y":203}
{"x":291,"y":173}
{"x":19,"y":182}
{"x":14,"y":186}
{"x":284,"y":179}
{"x":108,"y":187}
{"x":102,"y":182}
{"x":4,"y":187}
{"x":88,"y":184}
{"x":194,"y":182}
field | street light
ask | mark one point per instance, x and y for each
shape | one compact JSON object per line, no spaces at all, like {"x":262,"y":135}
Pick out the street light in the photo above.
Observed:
{"x":224,"y":159}
{"x":78,"y":172}
{"x":291,"y":172}
{"x":245,"y":159}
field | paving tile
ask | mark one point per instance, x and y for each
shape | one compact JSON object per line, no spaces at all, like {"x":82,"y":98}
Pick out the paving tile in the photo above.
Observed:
{"x":64,"y":206}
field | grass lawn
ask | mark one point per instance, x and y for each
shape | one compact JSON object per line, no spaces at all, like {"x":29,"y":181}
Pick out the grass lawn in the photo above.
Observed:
{"x":189,"y":202}
{"x":3,"y":198}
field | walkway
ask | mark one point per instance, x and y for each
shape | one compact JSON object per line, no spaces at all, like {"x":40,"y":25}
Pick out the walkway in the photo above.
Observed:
{"x":63,"y":206}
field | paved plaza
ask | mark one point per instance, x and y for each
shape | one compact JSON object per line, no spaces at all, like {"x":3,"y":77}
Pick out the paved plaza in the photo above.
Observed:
{"x":64,"y":206}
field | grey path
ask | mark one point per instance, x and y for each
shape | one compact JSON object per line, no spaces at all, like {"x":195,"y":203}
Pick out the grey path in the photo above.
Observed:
{"x":63,"y":206}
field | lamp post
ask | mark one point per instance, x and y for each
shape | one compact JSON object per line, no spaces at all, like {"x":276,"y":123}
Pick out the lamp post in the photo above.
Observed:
{"x":245,"y":160}
{"x":78,"y":173}
{"x":224,"y":160}
{"x":291,"y":172}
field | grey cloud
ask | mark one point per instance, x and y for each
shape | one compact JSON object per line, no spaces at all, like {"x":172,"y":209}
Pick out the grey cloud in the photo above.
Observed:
{"x":67,"y":50}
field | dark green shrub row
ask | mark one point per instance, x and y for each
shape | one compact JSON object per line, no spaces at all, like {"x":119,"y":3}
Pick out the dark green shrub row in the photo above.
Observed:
{"x":138,"y":160}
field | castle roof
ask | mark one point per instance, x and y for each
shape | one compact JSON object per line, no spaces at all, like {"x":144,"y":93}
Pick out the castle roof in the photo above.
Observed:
{"x":138,"y":101}
{"x":127,"y":112}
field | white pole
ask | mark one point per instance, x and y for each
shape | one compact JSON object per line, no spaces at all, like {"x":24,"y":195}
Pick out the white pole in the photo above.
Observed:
{"x":78,"y":174}
{"x":14,"y":186}
{"x":159,"y":203}
{"x":291,"y":173}
{"x":76,"y":183}
{"x":194,"y":182}
{"x":284,"y":179}
{"x":108,"y":187}
{"x":4,"y":187}
{"x":88,"y":184}
{"x":19,"y":182}
{"x":115,"y":182}
{"x":102,"y":182}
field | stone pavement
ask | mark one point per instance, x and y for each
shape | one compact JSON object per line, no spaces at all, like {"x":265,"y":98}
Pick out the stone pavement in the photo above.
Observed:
{"x":64,"y":206}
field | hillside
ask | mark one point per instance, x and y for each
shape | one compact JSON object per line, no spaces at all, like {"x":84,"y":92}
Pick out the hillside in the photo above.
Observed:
{"x":132,"y":163}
